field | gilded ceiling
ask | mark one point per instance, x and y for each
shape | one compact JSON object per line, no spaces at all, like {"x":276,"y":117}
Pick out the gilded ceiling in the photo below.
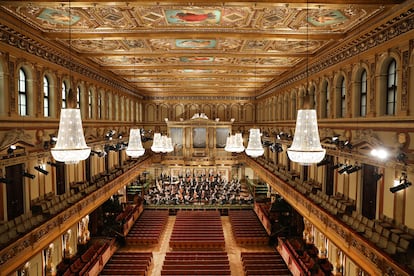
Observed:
{"x":198,"y":48}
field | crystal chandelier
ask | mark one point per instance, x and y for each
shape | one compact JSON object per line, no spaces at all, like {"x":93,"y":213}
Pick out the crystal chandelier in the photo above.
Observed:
{"x":162,"y":143}
{"x":135,"y":148}
{"x":306,"y":147}
{"x":234,"y":143}
{"x":255,"y":147}
{"x":70,"y":145}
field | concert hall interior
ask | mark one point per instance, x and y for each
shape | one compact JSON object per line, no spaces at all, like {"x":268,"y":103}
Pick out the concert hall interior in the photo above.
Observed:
{"x":206,"y":137}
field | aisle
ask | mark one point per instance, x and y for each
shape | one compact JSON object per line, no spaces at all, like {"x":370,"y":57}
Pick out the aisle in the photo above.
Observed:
{"x":232,"y":249}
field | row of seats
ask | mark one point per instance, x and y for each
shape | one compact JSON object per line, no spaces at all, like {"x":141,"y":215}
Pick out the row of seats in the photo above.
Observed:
{"x":148,"y":227}
{"x":197,"y":230}
{"x":263,"y":263}
{"x":389,"y":240}
{"x":20,"y":225}
{"x":83,"y":264}
{"x":196,"y":263}
{"x":247,"y":228}
{"x":128,"y":263}
{"x":330,"y":204}
{"x":306,"y":257}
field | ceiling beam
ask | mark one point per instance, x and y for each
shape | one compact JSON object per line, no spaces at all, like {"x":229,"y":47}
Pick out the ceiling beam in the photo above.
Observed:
{"x":228,"y":34}
{"x":152,"y":2}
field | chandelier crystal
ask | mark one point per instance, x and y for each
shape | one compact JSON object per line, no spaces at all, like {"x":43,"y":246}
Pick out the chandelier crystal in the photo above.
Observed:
{"x":255,"y":147}
{"x":70,"y":145}
{"x":162,"y":143}
{"x":135,"y":148}
{"x":306,"y":147}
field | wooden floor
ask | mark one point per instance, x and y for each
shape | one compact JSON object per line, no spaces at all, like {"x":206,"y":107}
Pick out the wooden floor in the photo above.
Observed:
{"x":233,"y":250}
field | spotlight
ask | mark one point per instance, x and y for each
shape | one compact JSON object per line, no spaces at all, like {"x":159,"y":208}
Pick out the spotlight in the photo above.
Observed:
{"x":400,"y":187}
{"x":110,"y":134}
{"x":337,"y":166}
{"x":52,"y":164}
{"x":323,"y":162}
{"x":99,"y":153}
{"x":5,"y":180}
{"x":40,"y":169}
{"x":401,"y":157}
{"x":377,"y":176}
{"x":380,"y":153}
{"x":11,"y":149}
{"x":344,"y":169}
{"x":403,"y":184}
{"x":353,"y":169}
{"x":29,"y":175}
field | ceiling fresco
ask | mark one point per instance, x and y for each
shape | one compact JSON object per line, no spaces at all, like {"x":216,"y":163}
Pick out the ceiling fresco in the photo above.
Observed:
{"x":211,"y":48}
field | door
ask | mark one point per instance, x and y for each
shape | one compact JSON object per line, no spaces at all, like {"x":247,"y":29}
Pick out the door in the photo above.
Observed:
{"x":329,"y":176}
{"x":15,"y":204}
{"x":369,"y":191}
{"x":60,"y":178}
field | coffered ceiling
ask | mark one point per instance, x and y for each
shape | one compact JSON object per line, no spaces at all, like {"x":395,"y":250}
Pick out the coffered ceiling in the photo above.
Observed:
{"x":198,"y":48}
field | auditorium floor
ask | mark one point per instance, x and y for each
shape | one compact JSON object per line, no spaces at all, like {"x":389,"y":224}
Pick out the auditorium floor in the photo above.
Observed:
{"x":233,"y":250}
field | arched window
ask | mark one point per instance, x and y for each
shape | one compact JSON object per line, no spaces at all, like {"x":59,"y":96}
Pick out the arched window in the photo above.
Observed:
{"x":363,"y":94}
{"x":342,"y":91}
{"x":99,"y":106}
{"x":391,"y":97}
{"x":22,"y":87}
{"x":64,"y":94}
{"x":78,"y":97}
{"x":46,"y":97}
{"x":326,"y":103}
{"x":90,"y":104}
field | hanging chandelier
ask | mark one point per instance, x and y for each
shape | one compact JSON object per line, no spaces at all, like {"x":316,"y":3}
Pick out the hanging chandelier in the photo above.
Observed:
{"x":255,"y":147}
{"x":70,"y":145}
{"x":306,"y":147}
{"x":234,"y":143}
{"x":162,"y":143}
{"x":135,"y":148}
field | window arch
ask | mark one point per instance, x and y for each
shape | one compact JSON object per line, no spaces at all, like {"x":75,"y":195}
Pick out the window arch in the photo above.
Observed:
{"x":363,"y":90}
{"x":341,"y":97}
{"x":46,"y":97}
{"x":325,"y":99}
{"x":78,"y":97}
{"x":22,"y":90}
{"x":90,"y":97}
{"x":391,"y":92}
{"x":64,"y":89}
{"x":99,"y":106}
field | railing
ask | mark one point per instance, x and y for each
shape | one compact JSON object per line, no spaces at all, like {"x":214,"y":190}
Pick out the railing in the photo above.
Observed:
{"x":371,"y":259}
{"x":14,"y":255}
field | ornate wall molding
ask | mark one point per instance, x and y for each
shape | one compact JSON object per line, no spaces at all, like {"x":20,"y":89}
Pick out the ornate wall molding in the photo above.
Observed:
{"x":391,"y":29}
{"x":17,"y":40}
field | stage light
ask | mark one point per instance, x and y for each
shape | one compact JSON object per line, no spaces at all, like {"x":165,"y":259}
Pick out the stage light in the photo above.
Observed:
{"x":29,"y":175}
{"x":377,"y":176}
{"x":353,"y":169}
{"x":400,"y":184}
{"x":344,"y":169}
{"x":337,"y":166}
{"x":40,"y":169}
{"x":5,"y":180}
{"x":323,"y":162}
{"x":99,"y":153}
{"x":52,"y":164}
{"x":11,"y":149}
